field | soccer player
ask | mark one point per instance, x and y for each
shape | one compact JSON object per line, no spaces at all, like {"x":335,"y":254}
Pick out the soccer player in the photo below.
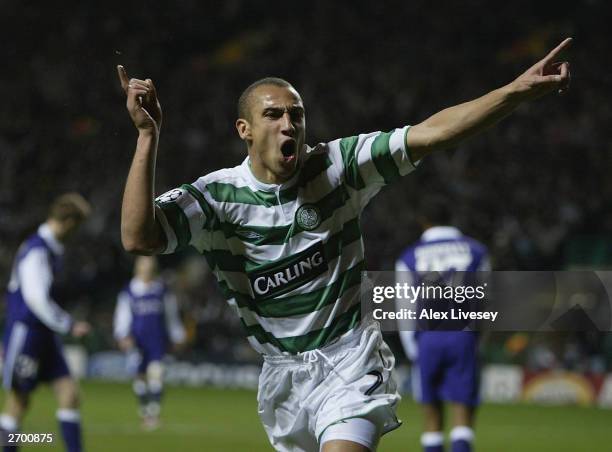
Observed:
{"x":445,"y":367}
{"x":32,"y":348}
{"x":146,"y":322}
{"x":281,"y":233}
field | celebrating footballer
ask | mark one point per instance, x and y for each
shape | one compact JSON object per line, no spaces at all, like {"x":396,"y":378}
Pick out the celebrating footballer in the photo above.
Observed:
{"x":281,"y":233}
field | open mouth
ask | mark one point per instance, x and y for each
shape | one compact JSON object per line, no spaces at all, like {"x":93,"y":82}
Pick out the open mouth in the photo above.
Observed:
{"x":289,"y":149}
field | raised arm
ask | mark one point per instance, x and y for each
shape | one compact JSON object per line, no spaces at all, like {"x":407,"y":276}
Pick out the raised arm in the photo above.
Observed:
{"x":452,"y":125}
{"x":140,"y":232}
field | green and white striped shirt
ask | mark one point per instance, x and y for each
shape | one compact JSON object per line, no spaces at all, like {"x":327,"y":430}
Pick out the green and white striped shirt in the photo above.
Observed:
{"x":288,"y":257}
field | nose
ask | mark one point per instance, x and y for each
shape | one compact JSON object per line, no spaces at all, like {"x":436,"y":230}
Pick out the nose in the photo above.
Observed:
{"x":287,"y":124}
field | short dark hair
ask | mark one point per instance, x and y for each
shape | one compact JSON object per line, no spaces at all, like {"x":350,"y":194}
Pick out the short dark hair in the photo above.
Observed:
{"x":69,"y":205}
{"x":435,"y":210}
{"x":244,"y":102}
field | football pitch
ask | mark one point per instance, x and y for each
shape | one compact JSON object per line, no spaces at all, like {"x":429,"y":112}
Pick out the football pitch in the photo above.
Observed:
{"x":206,"y":419}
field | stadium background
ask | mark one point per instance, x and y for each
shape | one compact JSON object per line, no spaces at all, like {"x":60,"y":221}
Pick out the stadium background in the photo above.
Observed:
{"x":536,"y":188}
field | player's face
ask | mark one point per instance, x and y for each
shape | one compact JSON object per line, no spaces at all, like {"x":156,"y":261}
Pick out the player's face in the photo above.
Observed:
{"x":277,"y":129}
{"x":68,"y":228}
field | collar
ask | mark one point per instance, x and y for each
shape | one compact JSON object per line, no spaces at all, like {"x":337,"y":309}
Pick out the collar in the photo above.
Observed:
{"x":246,"y":167}
{"x":440,"y":233}
{"x":139,"y":287}
{"x":47,"y":235}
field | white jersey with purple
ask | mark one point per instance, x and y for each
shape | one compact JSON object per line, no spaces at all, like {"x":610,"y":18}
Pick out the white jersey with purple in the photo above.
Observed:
{"x":148,"y":312}
{"x":32,"y":349}
{"x":446,"y":361}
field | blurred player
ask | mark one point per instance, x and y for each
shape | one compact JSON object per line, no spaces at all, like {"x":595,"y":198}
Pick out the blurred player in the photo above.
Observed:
{"x":32,"y":348}
{"x":445,"y":362}
{"x":146,"y":322}
{"x":281,"y":232}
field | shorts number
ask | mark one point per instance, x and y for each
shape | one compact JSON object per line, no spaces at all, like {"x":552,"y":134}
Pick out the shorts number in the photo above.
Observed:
{"x":377,"y":383}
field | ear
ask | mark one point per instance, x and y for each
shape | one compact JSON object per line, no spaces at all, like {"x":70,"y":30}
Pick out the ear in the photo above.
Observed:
{"x":244,"y":129}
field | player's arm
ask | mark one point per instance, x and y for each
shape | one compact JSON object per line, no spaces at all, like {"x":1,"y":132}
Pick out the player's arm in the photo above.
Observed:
{"x":122,"y":321}
{"x":141,"y":233}
{"x":35,"y":277}
{"x":485,"y":263}
{"x":403,"y":275}
{"x":453,"y":125}
{"x":175,"y":328}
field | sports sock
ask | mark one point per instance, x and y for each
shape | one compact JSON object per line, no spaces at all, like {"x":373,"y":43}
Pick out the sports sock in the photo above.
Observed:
{"x":155,"y":395}
{"x":432,"y":442}
{"x":155,"y":385}
{"x":70,"y":425}
{"x":462,"y":438}
{"x":142,"y":394}
{"x":8,"y":424}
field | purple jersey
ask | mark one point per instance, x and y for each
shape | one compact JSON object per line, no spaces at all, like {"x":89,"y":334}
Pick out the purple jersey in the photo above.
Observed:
{"x":446,"y":361}
{"x":148,"y":313}
{"x":444,"y":248}
{"x":32,"y":349}
{"x":17,"y":308}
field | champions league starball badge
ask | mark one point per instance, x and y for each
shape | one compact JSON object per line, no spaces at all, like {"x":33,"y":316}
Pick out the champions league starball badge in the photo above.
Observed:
{"x":308,"y":217}
{"x":169,"y":196}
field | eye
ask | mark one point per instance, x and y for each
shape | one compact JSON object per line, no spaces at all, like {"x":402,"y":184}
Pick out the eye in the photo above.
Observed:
{"x":297,"y":114}
{"x":273,"y":114}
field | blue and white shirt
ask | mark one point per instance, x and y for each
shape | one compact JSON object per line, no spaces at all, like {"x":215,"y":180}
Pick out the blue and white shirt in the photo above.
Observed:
{"x":440,"y":249}
{"x":30,"y":286}
{"x":148,"y":311}
{"x":444,"y":248}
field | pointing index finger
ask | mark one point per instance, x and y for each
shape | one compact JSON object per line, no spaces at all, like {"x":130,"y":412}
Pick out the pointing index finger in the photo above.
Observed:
{"x":123,"y":78}
{"x":554,"y":52}
{"x":152,"y":86}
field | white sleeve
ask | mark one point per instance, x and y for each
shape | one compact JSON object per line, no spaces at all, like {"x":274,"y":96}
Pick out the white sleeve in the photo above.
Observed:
{"x":122,"y":321}
{"x":35,"y":278}
{"x":409,"y":343}
{"x":485,"y":264}
{"x":405,"y":275}
{"x":372,"y":160}
{"x":184,"y":215}
{"x":176,"y":331}
{"x":407,"y":337}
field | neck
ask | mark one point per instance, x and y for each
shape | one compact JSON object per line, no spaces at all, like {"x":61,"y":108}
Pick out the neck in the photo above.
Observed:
{"x":263,"y":174}
{"x":56,"y":229}
{"x":425,"y":225}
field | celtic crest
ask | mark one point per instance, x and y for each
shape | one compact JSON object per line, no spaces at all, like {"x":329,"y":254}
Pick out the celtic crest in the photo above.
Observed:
{"x":308,"y":217}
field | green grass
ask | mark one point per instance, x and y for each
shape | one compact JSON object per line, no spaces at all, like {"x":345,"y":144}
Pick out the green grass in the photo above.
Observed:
{"x":204,"y":419}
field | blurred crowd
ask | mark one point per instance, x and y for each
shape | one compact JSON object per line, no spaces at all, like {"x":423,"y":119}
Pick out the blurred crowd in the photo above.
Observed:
{"x":527,"y":188}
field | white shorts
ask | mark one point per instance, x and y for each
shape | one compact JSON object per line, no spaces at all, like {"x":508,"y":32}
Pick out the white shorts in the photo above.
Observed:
{"x":300,"y":396}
